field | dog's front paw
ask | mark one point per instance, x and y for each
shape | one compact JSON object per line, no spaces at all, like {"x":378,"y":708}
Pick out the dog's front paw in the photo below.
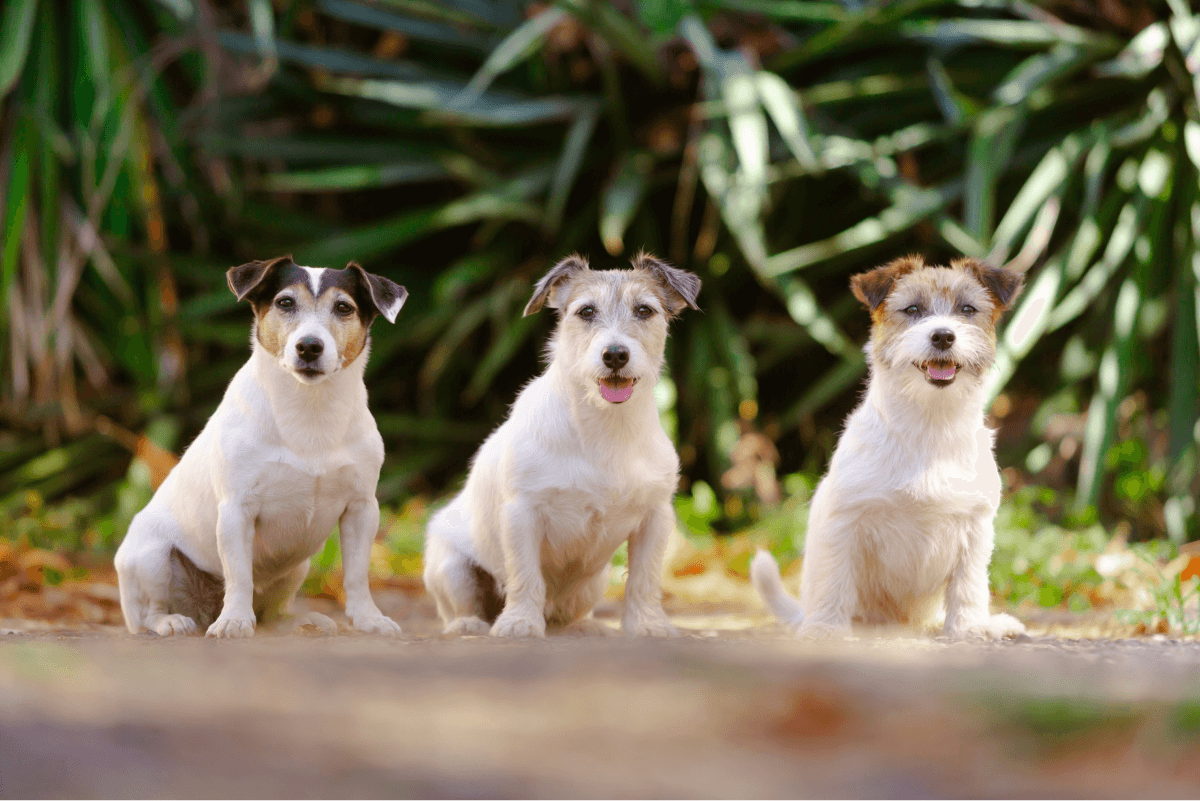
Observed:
{"x":229,"y":626}
{"x":170,"y":625}
{"x":378,"y":623}
{"x":518,"y":626}
{"x":657,"y":626}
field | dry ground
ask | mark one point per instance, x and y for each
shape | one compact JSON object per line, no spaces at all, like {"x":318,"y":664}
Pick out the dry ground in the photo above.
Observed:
{"x":734,"y":709}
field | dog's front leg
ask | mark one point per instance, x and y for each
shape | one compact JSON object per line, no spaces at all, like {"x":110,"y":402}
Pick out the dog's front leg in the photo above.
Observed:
{"x":967,"y":612}
{"x":521,"y":537}
{"x":359,"y":525}
{"x":644,"y":615}
{"x":235,"y":547}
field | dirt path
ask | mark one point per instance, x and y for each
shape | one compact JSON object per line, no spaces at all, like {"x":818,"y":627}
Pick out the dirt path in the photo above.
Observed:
{"x":724,"y":712}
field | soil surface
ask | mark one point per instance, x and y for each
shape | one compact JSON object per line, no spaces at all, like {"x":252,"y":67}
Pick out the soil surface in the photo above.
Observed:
{"x":734,"y":708}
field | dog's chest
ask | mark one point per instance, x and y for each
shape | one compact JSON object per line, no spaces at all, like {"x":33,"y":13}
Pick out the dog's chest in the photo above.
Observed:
{"x":602,"y":508}
{"x":298,"y":506}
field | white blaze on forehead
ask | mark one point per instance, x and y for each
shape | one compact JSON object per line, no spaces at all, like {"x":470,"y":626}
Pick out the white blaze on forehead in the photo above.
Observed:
{"x":314,"y":278}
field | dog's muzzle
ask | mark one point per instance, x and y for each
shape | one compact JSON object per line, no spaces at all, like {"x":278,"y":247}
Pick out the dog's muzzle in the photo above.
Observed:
{"x":308,"y":357}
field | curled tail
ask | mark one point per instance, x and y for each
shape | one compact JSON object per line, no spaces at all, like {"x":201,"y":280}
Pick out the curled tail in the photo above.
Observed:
{"x":764,"y":574}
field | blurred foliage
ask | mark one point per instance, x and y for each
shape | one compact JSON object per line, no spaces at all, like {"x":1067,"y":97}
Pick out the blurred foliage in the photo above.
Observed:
{"x":461,"y":147}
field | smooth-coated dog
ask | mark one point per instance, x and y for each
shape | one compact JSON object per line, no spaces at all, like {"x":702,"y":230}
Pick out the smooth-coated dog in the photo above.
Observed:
{"x":900,"y":529}
{"x":290,"y":452}
{"x":581,"y":465}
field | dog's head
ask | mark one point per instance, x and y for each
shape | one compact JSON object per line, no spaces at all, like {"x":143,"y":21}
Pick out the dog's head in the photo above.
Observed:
{"x":933,"y":325}
{"x":313,"y":320}
{"x":612,"y":324}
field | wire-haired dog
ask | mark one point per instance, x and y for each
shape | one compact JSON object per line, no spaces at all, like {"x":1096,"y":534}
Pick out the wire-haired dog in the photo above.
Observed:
{"x":290,"y":452}
{"x":900,"y":529}
{"x":581,"y":465}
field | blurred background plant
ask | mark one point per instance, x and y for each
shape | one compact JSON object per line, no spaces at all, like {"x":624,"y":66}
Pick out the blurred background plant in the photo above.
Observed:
{"x":461,"y":147}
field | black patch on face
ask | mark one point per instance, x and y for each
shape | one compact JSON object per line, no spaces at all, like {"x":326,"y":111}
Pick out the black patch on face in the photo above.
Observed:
{"x":357,"y":283}
{"x":348,"y":281}
{"x":489,"y":603}
{"x":259,"y":281}
{"x":262,"y":296}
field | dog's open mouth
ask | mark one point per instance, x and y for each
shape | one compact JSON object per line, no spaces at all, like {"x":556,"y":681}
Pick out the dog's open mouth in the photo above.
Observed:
{"x":939,"y":373}
{"x":616,"y":389}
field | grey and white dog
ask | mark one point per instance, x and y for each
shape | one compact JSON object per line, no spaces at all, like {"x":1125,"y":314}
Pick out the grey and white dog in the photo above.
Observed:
{"x":581,"y":465}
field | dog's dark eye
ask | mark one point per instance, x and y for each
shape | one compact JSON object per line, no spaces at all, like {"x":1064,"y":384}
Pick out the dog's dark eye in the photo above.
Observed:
{"x":643,"y":312}
{"x":287,"y":304}
{"x":587,"y":312}
{"x":913,"y":309}
{"x":967,"y":309}
{"x":343,"y":308}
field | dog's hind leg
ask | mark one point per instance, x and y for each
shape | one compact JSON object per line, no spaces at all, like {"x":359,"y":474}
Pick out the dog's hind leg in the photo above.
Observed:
{"x":273,"y":605}
{"x":145,"y":577}
{"x":467,"y":597}
{"x":572,"y":612}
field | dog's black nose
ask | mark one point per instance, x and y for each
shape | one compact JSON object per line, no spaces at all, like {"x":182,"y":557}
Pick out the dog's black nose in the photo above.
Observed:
{"x":616,"y":357}
{"x":310,"y":349}
{"x":942,"y":338}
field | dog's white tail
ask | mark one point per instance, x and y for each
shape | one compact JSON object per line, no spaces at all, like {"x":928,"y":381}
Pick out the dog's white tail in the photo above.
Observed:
{"x":764,"y":574}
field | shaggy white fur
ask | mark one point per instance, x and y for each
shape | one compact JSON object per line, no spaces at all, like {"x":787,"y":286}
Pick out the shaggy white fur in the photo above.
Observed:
{"x":900,"y":529}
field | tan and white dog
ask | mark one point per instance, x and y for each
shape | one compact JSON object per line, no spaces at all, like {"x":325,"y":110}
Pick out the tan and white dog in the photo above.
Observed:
{"x":581,"y":465}
{"x":290,"y":452}
{"x":900,"y":529}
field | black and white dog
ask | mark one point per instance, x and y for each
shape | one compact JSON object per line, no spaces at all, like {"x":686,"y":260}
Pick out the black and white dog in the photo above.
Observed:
{"x":290,"y":452}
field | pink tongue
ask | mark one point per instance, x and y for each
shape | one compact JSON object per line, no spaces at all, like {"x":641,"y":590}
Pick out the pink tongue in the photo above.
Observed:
{"x":616,"y":395}
{"x":941,"y":373}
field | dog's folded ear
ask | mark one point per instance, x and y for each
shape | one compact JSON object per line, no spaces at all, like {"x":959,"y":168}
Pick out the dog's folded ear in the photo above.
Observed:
{"x":1003,"y":285}
{"x":551,"y":281}
{"x":682,"y":287}
{"x":384,"y":294}
{"x":246,"y":280}
{"x":872,"y":287}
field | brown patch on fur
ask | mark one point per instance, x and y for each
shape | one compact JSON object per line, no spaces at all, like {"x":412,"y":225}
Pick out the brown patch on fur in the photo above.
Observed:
{"x":348,"y":331}
{"x":873,"y":287}
{"x":270,"y":330}
{"x":1003,"y":285}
